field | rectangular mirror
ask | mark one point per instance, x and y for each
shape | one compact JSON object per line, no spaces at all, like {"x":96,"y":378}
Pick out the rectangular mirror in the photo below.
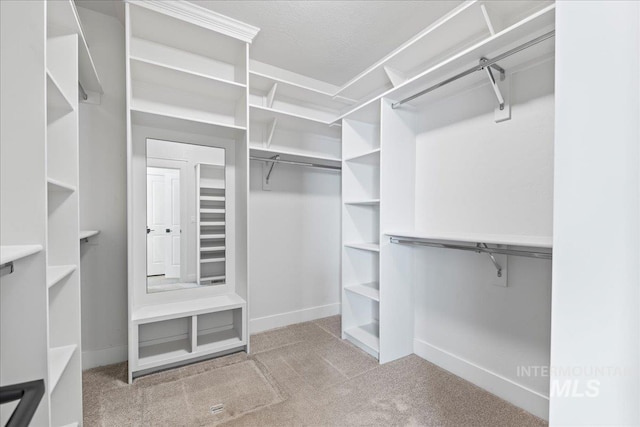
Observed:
{"x":186,"y":216}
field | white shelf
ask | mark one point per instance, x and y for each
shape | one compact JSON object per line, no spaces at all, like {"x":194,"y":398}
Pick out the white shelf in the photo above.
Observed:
{"x":56,"y":98}
{"x":184,"y":80}
{"x":212,"y":236}
{"x":212,"y":198}
{"x":212,"y":260}
{"x":212,"y":223}
{"x":369,"y":157}
{"x":161,"y":116}
{"x":63,"y":19}
{"x":369,"y":290}
{"x":303,"y":95}
{"x":367,"y":334}
{"x":525,"y":29}
{"x":212,"y":249}
{"x":370,"y":202}
{"x":56,"y":273}
{"x":220,"y":339}
{"x":211,"y":187}
{"x":373,"y":247}
{"x":494,"y":239}
{"x":293,"y":122}
{"x":212,"y":211}
{"x":10,"y":253}
{"x":213,"y":278}
{"x":59,"y":186}
{"x":159,"y":353}
{"x":59,"y":358}
{"x":85,"y":234}
{"x":172,"y":310}
{"x":295,"y":156}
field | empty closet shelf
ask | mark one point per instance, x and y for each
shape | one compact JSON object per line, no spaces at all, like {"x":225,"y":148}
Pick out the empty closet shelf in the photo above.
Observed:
{"x":57,"y":185}
{"x":10,"y":253}
{"x":374,"y":247}
{"x":367,"y":335}
{"x":211,"y":198}
{"x":212,"y":211}
{"x":56,"y":273}
{"x":59,"y":358}
{"x":368,"y":157}
{"x":369,"y":202}
{"x":211,"y":260}
{"x":227,"y":338}
{"x":172,"y":310}
{"x":295,"y":156}
{"x":212,"y":223}
{"x":162,"y":352}
{"x":212,"y":236}
{"x":212,"y":278}
{"x":492,"y":239}
{"x":368,"y":290}
{"x":85,"y":234}
{"x":212,"y":249}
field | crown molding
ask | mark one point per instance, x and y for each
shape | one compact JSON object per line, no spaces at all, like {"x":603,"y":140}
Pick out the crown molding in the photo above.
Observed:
{"x":202,"y":17}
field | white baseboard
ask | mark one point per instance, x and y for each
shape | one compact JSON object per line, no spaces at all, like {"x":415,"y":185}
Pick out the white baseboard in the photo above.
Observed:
{"x":284,"y":319}
{"x":517,"y":394}
{"x":107,"y":356}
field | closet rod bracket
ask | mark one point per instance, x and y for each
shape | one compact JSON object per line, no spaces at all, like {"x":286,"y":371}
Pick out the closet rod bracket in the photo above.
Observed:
{"x":492,"y":79}
{"x":8,"y":265}
{"x":493,"y":258}
{"x":276,"y":157}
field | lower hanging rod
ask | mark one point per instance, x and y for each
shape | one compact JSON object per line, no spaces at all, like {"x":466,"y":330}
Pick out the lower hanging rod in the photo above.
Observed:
{"x":481,"y":66}
{"x":479,"y":248}
{"x":291,"y":162}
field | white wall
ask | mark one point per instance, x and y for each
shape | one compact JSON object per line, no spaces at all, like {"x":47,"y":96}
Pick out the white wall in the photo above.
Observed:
{"x":294,"y":248}
{"x":477,"y":176}
{"x":596,"y":296}
{"x":103,"y":198}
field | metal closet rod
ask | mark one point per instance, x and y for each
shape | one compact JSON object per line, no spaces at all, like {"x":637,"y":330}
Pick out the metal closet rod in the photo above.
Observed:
{"x":481,"y":66}
{"x":479,"y":248}
{"x":291,"y":162}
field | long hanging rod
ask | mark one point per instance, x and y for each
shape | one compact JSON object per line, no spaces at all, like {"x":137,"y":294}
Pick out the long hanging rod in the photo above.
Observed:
{"x":479,"y":248}
{"x":480,"y":66}
{"x":291,"y":162}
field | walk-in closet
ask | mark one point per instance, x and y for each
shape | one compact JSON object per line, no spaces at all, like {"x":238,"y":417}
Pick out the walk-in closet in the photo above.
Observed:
{"x":327,"y":213}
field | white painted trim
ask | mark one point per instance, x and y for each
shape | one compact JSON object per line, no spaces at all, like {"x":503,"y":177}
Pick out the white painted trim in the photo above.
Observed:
{"x":517,"y":394}
{"x":284,"y":319}
{"x":202,"y":17}
{"x":106,"y":356}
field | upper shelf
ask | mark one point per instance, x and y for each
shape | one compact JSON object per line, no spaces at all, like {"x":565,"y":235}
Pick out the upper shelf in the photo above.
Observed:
{"x":293,"y":122}
{"x":10,"y":253}
{"x":494,"y":239}
{"x":531,"y":26}
{"x":63,"y":19}
{"x":294,"y":156}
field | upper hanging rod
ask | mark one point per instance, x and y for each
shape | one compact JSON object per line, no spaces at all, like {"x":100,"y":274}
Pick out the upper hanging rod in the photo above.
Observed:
{"x":479,"y":248}
{"x":480,"y":66}
{"x":291,"y":162}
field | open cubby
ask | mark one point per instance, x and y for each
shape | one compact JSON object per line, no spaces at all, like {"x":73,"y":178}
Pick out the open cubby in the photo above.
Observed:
{"x":164,"y":340}
{"x":221,"y":329}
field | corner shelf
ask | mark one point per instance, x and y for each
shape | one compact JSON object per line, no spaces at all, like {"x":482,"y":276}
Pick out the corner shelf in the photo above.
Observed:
{"x":56,"y":98}
{"x":368,"y":335}
{"x":294,"y":122}
{"x":373,"y":247}
{"x":370,"y":157}
{"x":59,"y":186}
{"x":368,"y":290}
{"x":56,"y":273}
{"x":59,"y":358}
{"x":11,"y":253}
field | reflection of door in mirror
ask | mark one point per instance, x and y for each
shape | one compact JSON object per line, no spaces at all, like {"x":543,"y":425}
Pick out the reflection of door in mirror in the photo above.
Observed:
{"x":163,"y":223}
{"x":186,"y":220}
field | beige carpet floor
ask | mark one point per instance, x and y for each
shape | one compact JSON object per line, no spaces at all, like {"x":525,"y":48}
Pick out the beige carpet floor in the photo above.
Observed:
{"x":301,"y":375}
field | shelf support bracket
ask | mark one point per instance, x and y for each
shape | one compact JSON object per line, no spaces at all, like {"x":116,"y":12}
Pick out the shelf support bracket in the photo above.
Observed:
{"x":267,"y":169}
{"x":271,"y":96}
{"x":272,"y":130}
{"x":4,"y":267}
{"x":493,"y":258}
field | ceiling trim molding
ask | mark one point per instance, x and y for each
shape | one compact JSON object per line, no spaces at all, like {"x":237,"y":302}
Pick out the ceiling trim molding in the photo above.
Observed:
{"x":202,"y":17}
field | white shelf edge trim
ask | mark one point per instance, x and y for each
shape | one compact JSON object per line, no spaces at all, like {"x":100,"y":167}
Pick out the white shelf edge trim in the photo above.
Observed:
{"x":11,"y":253}
{"x":202,"y":17}
{"x":59,"y":358}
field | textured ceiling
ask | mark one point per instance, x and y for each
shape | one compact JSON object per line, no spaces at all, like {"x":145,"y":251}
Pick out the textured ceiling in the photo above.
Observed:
{"x":332,"y":41}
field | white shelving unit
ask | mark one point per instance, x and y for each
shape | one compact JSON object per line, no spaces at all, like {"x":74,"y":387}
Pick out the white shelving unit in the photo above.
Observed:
{"x":187,"y":81}
{"x":15,"y":252}
{"x":361,"y":232}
